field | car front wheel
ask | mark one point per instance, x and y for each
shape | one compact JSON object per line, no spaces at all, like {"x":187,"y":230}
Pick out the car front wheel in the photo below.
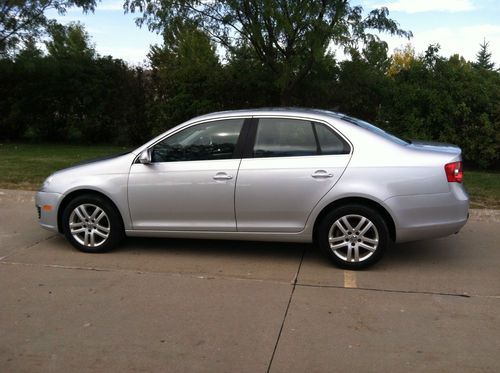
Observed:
{"x":353,"y":236}
{"x":92,"y":224}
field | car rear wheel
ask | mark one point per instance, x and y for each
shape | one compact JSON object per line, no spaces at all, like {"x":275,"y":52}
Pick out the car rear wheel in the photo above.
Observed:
{"x":92,"y":224}
{"x":353,"y":236}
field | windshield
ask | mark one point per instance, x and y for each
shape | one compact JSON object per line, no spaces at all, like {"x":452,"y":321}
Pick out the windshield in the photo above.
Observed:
{"x":374,"y":129}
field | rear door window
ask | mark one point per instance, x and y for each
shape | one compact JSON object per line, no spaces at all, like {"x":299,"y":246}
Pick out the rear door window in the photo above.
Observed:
{"x":281,"y":137}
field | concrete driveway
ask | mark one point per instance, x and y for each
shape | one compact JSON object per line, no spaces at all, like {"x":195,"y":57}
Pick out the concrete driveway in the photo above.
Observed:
{"x":224,"y":306}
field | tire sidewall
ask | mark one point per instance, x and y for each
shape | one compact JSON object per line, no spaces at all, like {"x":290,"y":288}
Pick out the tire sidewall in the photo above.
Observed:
{"x":116,"y":225}
{"x":372,"y":215}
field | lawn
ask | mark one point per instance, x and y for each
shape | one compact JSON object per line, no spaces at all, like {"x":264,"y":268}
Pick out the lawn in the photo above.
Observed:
{"x":484,"y":188}
{"x":25,"y":166}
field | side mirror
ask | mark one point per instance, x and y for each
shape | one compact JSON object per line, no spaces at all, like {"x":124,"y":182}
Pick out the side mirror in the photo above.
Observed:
{"x":145,"y":157}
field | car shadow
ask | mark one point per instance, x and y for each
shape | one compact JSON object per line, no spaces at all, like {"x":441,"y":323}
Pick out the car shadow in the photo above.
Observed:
{"x":405,"y":254}
{"x":435,"y":250}
{"x":225,"y":248}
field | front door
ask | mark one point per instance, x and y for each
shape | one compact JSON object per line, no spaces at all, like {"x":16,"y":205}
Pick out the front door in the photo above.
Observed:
{"x":190,"y":183}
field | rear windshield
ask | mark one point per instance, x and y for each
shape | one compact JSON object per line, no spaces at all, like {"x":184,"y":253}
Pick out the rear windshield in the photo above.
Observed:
{"x":374,"y":129}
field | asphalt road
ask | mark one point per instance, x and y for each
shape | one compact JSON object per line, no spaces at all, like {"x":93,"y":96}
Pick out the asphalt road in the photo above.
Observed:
{"x":225,"y":306}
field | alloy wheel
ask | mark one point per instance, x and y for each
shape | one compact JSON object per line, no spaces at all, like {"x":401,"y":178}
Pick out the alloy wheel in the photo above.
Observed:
{"x":353,"y":238}
{"x":89,"y":225}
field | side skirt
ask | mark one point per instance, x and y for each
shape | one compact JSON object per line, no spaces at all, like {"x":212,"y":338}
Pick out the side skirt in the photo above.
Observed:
{"x":244,"y":236}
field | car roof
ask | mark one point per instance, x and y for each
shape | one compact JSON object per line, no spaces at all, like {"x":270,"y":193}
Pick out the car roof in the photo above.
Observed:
{"x":298,"y":112}
{"x":272,"y":111}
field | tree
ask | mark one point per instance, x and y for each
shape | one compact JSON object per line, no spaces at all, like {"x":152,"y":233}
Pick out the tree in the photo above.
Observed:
{"x":402,"y":59}
{"x":289,"y":37}
{"x":186,"y":76}
{"x":71,"y":41}
{"x":484,"y":57}
{"x":375,"y":53}
{"x":22,"y":19}
{"x":447,"y":100}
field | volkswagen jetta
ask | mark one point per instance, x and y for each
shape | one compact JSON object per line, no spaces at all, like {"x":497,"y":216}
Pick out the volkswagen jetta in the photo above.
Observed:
{"x":296,"y":175}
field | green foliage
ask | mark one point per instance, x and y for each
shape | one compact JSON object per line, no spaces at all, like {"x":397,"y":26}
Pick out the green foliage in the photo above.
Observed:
{"x":186,"y":77}
{"x":446,"y":100}
{"x":362,"y":85}
{"x":71,"y":42}
{"x":21,"y":20}
{"x":290,"y":38}
{"x":70,"y":95}
{"x":484,"y":57}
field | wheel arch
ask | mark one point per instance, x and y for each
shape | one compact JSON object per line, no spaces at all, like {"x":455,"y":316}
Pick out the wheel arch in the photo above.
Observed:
{"x":79,"y":192}
{"x":361,"y":201}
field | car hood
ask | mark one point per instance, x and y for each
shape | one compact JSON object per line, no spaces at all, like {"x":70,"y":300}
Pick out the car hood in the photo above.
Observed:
{"x":95,"y":160}
{"x":117,"y":163}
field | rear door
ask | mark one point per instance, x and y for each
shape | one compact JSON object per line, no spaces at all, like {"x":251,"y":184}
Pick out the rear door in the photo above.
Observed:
{"x":290,"y":165}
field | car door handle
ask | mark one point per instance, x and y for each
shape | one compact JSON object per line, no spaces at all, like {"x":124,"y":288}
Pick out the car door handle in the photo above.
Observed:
{"x":321,"y":174}
{"x":222,"y":176}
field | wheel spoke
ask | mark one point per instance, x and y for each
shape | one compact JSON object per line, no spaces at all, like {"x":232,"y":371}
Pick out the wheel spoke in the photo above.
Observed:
{"x":79,"y":230}
{"x":360,"y":224}
{"x":365,"y":246}
{"x":349,"y":253}
{"x":366,"y":228}
{"x":100,"y":234}
{"x":337,"y":239}
{"x":92,"y":239}
{"x":339,"y":226}
{"x":347,"y":224}
{"x":101,"y":228}
{"x":79,"y":214}
{"x":339,"y":245}
{"x":369,"y":240}
{"x":96,"y":211}
{"x":101,"y":215}
{"x":356,"y":253}
{"x":84,"y":212}
{"x":76,"y":224}
{"x":86,"y":238}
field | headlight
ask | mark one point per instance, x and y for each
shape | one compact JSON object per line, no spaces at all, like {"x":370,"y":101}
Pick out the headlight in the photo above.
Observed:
{"x":46,"y":184}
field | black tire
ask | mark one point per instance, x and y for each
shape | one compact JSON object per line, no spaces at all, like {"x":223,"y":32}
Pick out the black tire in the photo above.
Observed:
{"x":111,"y":221}
{"x":378,"y":234}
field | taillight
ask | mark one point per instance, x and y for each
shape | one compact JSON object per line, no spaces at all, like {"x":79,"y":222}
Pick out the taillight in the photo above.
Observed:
{"x":454,"y":172}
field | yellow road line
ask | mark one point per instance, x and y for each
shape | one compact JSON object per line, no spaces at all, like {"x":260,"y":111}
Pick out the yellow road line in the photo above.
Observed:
{"x":350,"y":279}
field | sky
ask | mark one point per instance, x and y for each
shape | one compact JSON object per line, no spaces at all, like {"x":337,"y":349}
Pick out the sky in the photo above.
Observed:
{"x":459,"y":26}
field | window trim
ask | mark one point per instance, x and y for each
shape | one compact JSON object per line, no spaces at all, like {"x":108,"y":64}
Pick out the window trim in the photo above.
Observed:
{"x":250,"y":143}
{"x":316,"y":138}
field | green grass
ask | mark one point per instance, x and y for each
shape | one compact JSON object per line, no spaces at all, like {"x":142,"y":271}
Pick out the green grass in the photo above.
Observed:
{"x":25,"y":166}
{"x":484,"y":188}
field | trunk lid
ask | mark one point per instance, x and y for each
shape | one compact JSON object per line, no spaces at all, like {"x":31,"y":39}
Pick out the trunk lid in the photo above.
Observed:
{"x":436,"y":146}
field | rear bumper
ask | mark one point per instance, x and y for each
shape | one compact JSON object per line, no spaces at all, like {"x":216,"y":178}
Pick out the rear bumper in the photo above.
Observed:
{"x":47,"y":205}
{"x":420,"y":217}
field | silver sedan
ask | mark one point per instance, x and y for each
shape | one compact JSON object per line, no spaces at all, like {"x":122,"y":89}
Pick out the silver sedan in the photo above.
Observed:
{"x":270,"y":175}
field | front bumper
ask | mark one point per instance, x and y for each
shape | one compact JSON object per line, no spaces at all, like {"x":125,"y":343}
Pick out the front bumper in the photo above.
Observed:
{"x":47,"y":205}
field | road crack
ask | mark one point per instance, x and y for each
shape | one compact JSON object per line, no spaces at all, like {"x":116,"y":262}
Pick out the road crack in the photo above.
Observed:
{"x":22,"y":249}
{"x":294,"y":285}
{"x":463,"y":295}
